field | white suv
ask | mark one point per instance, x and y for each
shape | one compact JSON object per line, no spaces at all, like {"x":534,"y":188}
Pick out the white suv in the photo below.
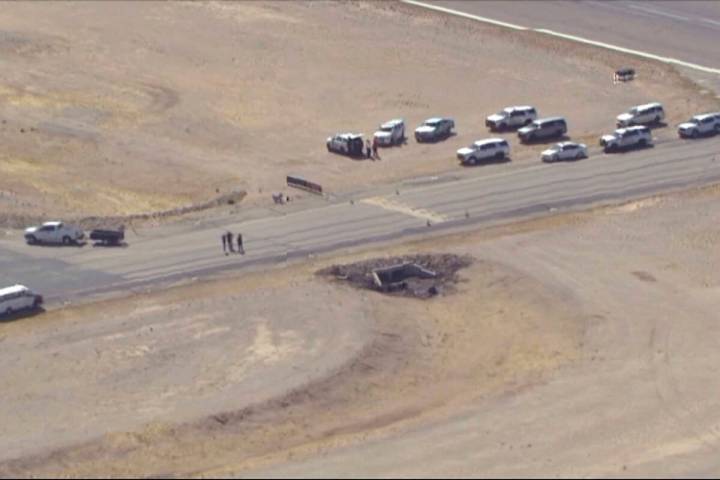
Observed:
{"x":705,"y":124}
{"x":483,"y":150}
{"x":626,"y":138}
{"x":54,"y":232}
{"x":346,"y":143}
{"x":391,"y":133}
{"x":18,"y":297}
{"x":511,"y":117}
{"x":641,"y":115}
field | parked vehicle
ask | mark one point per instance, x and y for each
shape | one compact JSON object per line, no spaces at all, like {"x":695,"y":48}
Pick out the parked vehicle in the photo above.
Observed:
{"x":705,"y":124}
{"x":391,"y":133}
{"x":434,"y":129}
{"x":108,"y":237}
{"x":627,"y":138}
{"x":564,"y":151}
{"x":511,"y":117}
{"x":346,"y":143}
{"x":54,"y":232}
{"x":624,"y":74}
{"x":18,"y":298}
{"x":642,"y":115}
{"x":484,"y":150}
{"x":543,"y":128}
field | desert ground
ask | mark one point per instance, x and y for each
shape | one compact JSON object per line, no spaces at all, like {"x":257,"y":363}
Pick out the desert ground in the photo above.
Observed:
{"x":582,"y":344}
{"x":126,"y":108}
{"x":559,"y":326}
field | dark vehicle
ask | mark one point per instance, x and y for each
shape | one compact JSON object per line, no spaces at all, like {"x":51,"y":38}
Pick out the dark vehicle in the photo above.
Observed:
{"x":544,"y":128}
{"x":108,"y":237}
{"x":624,"y":74}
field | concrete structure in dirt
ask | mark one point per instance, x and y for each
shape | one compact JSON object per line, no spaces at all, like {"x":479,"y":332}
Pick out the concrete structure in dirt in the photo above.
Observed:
{"x":395,"y":277}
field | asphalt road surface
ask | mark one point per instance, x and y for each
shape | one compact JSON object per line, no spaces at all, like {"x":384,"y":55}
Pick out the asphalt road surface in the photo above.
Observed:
{"x":498,"y":193}
{"x":685,"y":30}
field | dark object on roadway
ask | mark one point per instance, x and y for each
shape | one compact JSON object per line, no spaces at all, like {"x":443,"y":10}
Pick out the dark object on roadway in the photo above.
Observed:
{"x":297,"y":182}
{"x":108,"y":237}
{"x":624,"y":74}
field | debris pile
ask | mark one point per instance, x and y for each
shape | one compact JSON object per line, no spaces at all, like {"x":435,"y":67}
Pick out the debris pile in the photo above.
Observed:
{"x":418,"y":276}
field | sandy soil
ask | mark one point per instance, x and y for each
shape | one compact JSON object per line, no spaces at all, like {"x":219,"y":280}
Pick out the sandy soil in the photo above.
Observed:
{"x":123,"y":108}
{"x":528,"y":326}
{"x":185,"y":380}
{"x":577,"y":345}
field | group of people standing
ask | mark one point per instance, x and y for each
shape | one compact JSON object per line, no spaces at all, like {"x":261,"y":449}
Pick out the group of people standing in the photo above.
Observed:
{"x":371,"y":149}
{"x":227,"y":243}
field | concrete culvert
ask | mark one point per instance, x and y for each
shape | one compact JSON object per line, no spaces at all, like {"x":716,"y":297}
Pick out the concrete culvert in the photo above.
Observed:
{"x":384,"y":277}
{"x":418,"y":276}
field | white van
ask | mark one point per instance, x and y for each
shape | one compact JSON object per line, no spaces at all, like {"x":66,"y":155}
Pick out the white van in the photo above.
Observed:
{"x":17,"y":298}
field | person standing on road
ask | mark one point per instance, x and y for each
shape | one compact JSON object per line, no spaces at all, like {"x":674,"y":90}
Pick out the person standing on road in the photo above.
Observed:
{"x":229,"y":236}
{"x":368,"y":149}
{"x":375,"y":149}
{"x":224,"y":242}
{"x":241,"y":249}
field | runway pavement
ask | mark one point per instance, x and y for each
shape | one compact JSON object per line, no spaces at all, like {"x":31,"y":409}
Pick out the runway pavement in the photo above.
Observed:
{"x":686,"y":30}
{"x":498,"y":193}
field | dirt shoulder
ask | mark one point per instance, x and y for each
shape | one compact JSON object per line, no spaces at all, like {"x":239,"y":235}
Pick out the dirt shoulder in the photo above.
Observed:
{"x":155,"y":106}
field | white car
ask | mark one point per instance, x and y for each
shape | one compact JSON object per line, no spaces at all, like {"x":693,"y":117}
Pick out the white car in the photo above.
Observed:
{"x":511,"y":117}
{"x":705,"y":124}
{"x":54,"y":232}
{"x":484,"y":150}
{"x":641,"y":115}
{"x":17,"y":298}
{"x":391,"y":133}
{"x":564,"y":151}
{"x":626,"y":138}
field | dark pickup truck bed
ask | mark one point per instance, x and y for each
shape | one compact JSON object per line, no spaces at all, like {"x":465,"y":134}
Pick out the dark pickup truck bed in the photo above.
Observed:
{"x":108,"y":237}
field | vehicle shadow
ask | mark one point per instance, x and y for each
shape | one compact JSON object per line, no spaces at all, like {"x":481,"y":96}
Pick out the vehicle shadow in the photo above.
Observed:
{"x":59,"y":245}
{"x":567,"y":160}
{"x":626,"y":150}
{"x":21,"y":315}
{"x":439,"y":139}
{"x":546,"y":141}
{"x":110,"y":245}
{"x":656,"y":125}
{"x":490,"y":161}
{"x":507,"y":129}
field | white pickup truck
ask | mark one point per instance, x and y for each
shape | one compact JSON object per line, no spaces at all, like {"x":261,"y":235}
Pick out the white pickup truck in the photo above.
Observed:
{"x":54,"y":232}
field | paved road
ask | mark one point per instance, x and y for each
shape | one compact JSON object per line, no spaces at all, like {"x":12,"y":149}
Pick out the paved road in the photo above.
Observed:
{"x":686,"y":30}
{"x":498,"y":194}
